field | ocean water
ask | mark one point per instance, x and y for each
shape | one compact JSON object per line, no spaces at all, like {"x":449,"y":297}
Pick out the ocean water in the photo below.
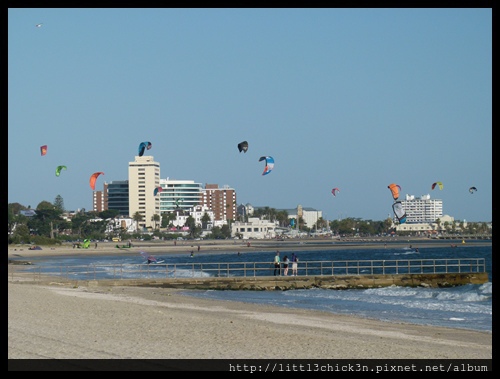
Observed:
{"x":462,"y":307}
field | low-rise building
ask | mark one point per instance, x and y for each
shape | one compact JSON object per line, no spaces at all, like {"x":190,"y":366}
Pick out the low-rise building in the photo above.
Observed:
{"x":254,"y":228}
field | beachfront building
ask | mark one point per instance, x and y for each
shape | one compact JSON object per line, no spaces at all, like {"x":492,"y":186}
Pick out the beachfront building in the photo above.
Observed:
{"x":143,"y":178}
{"x":443,"y":223}
{"x":198,"y":212}
{"x":117,"y":225}
{"x":422,"y":209}
{"x":309,"y":215}
{"x":179,"y":195}
{"x":255,"y":228}
{"x":117,"y":196}
{"x":222,"y":201}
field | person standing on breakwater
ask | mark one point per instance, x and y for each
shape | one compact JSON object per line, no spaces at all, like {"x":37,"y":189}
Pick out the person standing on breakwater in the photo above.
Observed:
{"x":277,"y":263}
{"x":295,"y":261}
{"x":285,"y":265}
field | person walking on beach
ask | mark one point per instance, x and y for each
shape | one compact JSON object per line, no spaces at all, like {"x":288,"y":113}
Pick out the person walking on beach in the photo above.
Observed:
{"x":285,"y":265}
{"x":295,"y":260}
{"x":277,"y":263}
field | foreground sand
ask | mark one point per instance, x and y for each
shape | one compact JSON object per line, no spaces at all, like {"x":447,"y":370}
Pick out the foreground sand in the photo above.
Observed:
{"x":131,"y":322}
{"x":65,"y":322}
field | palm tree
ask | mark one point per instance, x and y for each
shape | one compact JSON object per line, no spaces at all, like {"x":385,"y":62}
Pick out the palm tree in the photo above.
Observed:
{"x":137,"y":218}
{"x":155,"y":218}
{"x":438,"y":222}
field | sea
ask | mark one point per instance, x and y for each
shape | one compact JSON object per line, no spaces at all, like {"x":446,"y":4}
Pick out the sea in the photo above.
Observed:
{"x":461,"y":307}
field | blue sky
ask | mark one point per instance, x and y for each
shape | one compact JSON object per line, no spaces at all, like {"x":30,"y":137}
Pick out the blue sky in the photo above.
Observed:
{"x":349,"y":98}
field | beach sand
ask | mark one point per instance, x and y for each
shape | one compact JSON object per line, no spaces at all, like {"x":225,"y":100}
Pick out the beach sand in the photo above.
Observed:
{"x":63,"y":322}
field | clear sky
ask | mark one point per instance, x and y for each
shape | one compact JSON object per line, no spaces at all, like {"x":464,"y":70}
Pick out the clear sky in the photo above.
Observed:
{"x":348,"y":98}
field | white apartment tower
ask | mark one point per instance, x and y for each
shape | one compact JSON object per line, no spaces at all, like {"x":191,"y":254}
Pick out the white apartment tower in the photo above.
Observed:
{"x":422,"y":209}
{"x":179,"y":195}
{"x":143,"y":178}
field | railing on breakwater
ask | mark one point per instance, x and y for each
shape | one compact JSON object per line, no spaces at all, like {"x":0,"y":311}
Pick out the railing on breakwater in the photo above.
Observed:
{"x":255,"y":269}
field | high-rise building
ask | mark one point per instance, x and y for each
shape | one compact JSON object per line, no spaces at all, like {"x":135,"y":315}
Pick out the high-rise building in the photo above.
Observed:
{"x":99,"y":199}
{"x":143,"y":178}
{"x":222,"y":201}
{"x":179,"y":195}
{"x":422,"y":209}
{"x":118,"y":197}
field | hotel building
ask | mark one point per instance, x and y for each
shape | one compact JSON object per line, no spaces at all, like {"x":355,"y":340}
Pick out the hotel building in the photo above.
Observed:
{"x":143,"y":178}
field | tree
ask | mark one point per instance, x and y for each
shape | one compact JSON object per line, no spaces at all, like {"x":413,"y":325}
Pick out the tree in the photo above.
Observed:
{"x":59,"y":203}
{"x":216,"y":233}
{"x":155,"y":218}
{"x":21,"y":234}
{"x":282,"y":217}
{"x":167,"y":219}
{"x":438,"y":222}
{"x":446,"y":226}
{"x":205,"y":219}
{"x":47,"y":216}
{"x":137,"y":218}
{"x":15,"y":208}
{"x":302,"y":223}
{"x":225,"y":231}
{"x":87,"y":229}
{"x":191,"y":223}
{"x":14,"y":217}
{"x":45,"y":205}
{"x":109,"y":213}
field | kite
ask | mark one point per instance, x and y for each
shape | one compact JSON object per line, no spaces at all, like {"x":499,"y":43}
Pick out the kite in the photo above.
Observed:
{"x":334,"y":191}
{"x":93,"y":179}
{"x":43,"y":150}
{"x":143,"y":146}
{"x":472,"y":190}
{"x":58,"y":170}
{"x":243,"y":146}
{"x":437,"y":184}
{"x":395,"y":188}
{"x":399,"y":211}
{"x":269,"y":164}
{"x":157,"y":190}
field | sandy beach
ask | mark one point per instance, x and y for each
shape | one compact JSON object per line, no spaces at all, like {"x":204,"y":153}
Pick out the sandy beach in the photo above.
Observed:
{"x":63,"y":322}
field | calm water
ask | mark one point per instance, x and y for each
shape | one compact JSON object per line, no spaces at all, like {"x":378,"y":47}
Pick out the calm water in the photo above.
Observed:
{"x":464,"y":307}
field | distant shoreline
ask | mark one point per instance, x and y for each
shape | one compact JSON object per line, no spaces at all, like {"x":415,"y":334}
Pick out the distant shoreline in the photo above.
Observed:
{"x":223,"y":246}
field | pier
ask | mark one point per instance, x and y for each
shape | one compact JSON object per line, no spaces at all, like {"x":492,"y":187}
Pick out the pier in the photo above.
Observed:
{"x":337,"y":275}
